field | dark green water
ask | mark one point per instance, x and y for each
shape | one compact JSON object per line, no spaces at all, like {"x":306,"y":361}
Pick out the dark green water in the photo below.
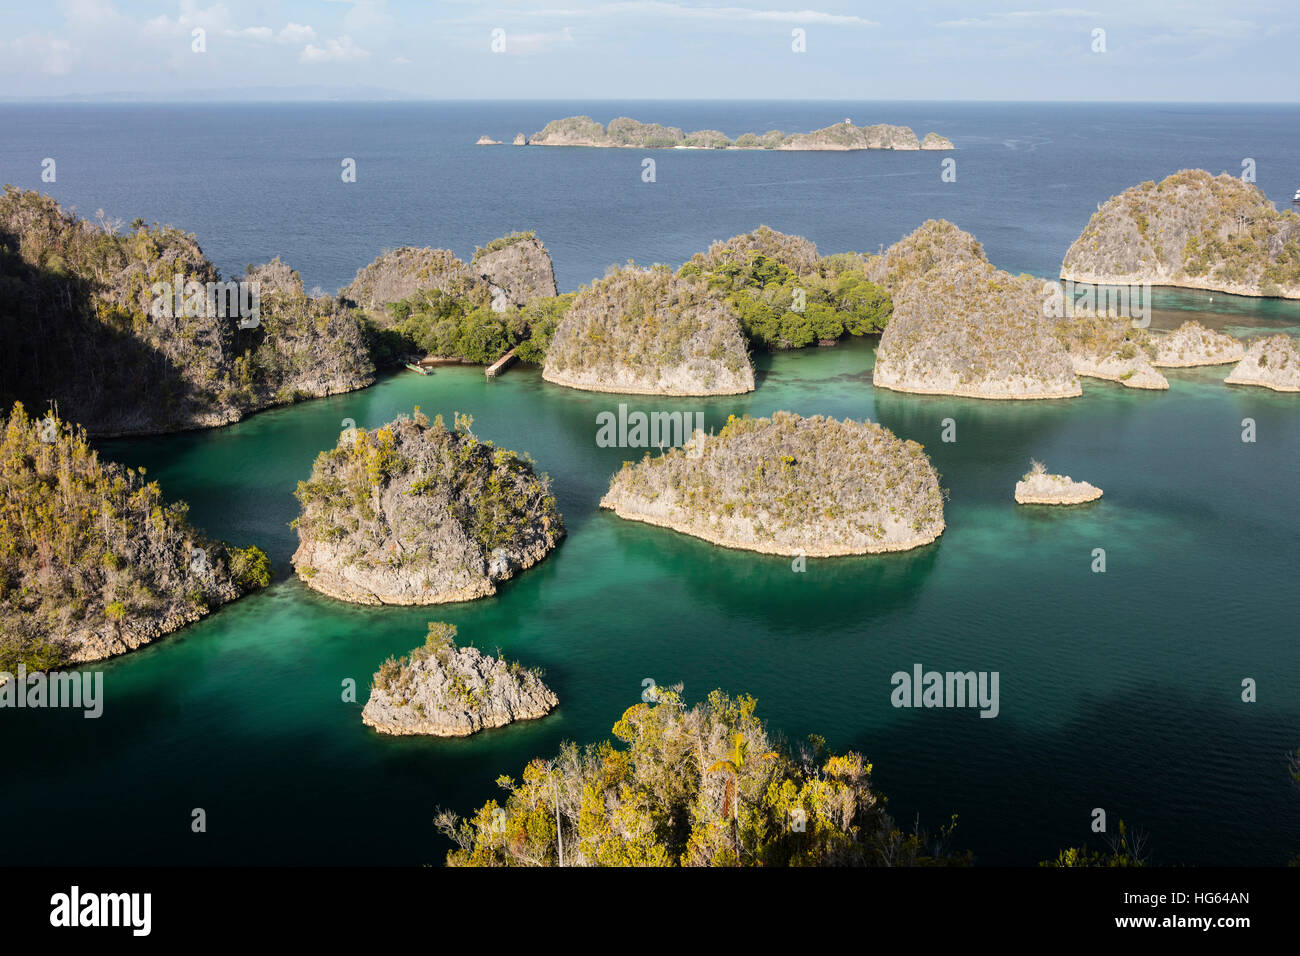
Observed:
{"x":1118,"y":690}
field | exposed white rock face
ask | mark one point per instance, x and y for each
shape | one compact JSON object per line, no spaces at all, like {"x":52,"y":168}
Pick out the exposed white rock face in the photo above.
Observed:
{"x":399,"y":274}
{"x":1040,"y":488}
{"x":645,"y":331}
{"x":447,"y":691}
{"x":789,"y":485}
{"x":521,"y":139}
{"x":1132,"y":372}
{"x":522,"y":269}
{"x":1193,"y":344}
{"x":1272,"y":362}
{"x":414,"y":513}
{"x":1109,"y":348}
{"x":487,"y":141}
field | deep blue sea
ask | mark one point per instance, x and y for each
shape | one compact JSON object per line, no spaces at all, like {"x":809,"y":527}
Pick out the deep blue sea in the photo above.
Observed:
{"x":1119,"y":690}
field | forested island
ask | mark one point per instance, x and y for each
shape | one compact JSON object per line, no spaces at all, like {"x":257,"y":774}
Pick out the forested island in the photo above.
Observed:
{"x":78,"y":325}
{"x":1192,"y":230}
{"x":443,"y":690}
{"x":965,"y":328}
{"x":94,"y":561}
{"x":418,"y":513}
{"x":647,"y":331}
{"x":704,"y":785}
{"x":625,"y":132}
{"x":788,"y":485}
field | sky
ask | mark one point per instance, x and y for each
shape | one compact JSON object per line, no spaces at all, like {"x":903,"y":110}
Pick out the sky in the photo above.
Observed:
{"x":1131,"y":50}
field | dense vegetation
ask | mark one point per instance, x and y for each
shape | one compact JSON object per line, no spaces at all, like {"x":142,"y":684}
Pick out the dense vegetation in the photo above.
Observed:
{"x":648,"y":330}
{"x":432,"y":322}
{"x":790,"y":484}
{"x":93,"y":560}
{"x":414,"y":510}
{"x":785,"y":295}
{"x":76,"y":326}
{"x":623,"y":131}
{"x":1191,"y":228}
{"x":698,"y":786}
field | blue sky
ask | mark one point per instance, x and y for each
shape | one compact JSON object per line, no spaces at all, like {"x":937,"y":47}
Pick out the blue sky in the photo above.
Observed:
{"x":1184,"y":50}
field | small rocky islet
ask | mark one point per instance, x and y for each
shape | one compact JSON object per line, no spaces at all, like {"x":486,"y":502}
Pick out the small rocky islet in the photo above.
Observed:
{"x":418,"y":513}
{"x":1039,"y":487}
{"x":647,"y":331}
{"x":812,"y":487}
{"x":443,"y":690}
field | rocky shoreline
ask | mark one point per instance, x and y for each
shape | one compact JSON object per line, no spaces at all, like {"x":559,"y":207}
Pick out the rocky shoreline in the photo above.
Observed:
{"x":442,"y":690}
{"x":811,"y":487}
{"x":1040,"y":488}
{"x":1272,"y":362}
{"x":415,"y":513}
{"x":626,"y":133}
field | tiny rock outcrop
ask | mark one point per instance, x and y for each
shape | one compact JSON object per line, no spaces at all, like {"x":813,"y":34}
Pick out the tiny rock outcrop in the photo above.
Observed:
{"x":1272,"y":362}
{"x":646,"y":331}
{"x":521,"y":139}
{"x":1037,"y":487}
{"x":789,"y":485}
{"x":447,"y":691}
{"x":416,"y":513}
{"x":935,"y":141}
{"x":487,"y":141}
{"x":1193,"y":344}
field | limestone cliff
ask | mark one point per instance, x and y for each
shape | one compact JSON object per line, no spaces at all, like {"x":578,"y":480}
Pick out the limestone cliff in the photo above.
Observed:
{"x":1192,"y":230}
{"x":416,"y":513}
{"x":646,"y":331}
{"x":788,"y":485}
{"x":1271,"y":362}
{"x":448,"y":691}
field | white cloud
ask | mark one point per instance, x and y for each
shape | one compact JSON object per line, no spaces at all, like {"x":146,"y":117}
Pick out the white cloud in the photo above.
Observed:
{"x":1027,"y":17}
{"x":334,"y":51}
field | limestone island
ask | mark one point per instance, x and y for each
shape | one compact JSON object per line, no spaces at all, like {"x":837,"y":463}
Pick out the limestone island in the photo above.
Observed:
{"x":521,"y":139}
{"x":934,"y":243}
{"x":625,"y":132}
{"x":1192,"y":344}
{"x":649,"y":332}
{"x":133,"y":331}
{"x":1191,"y":230}
{"x":94,"y":561}
{"x":788,"y":485}
{"x":416,"y":513}
{"x":447,"y":691}
{"x":487,"y":141}
{"x":1271,"y":362}
{"x":1110,"y":348}
{"x":965,"y":328}
{"x":427,"y":305}
{"x":1037,"y":487}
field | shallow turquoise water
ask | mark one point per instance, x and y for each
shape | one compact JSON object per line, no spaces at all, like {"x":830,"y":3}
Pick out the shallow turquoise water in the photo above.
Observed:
{"x":1119,"y":690}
